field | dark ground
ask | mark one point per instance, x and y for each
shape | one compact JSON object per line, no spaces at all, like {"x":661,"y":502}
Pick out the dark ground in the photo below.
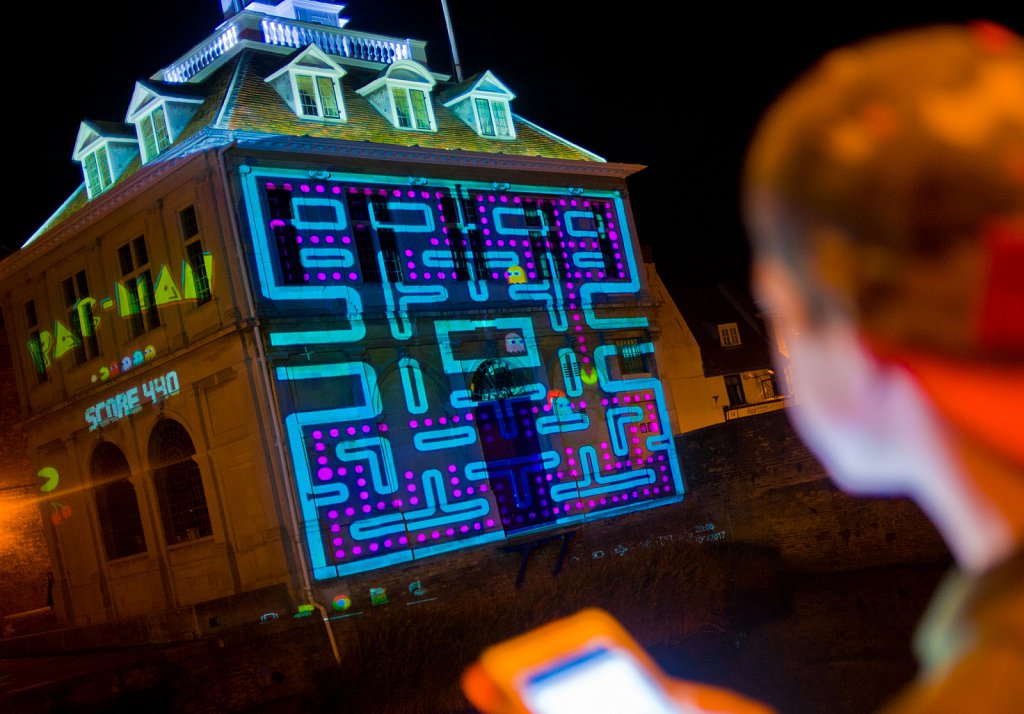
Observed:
{"x":805,"y":643}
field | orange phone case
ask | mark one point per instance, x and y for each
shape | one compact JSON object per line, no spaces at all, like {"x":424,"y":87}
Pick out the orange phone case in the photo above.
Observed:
{"x":506,"y":666}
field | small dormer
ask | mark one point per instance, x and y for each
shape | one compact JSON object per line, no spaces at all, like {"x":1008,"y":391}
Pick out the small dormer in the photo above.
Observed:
{"x":482,"y":102}
{"x":402,"y":95}
{"x":159,"y":111}
{"x":311,"y":85}
{"x":104,"y":148}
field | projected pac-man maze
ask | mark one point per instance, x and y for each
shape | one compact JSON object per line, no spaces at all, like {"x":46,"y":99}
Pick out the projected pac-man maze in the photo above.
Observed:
{"x":455,"y":364}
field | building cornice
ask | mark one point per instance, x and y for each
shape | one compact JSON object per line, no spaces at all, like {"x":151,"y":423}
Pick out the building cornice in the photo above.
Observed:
{"x":207,"y":138}
{"x":341,"y":148}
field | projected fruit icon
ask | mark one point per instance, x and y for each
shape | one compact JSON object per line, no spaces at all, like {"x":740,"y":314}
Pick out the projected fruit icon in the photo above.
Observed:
{"x":61,"y":512}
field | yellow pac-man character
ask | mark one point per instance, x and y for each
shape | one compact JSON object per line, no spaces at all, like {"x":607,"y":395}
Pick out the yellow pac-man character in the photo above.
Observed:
{"x":51,"y":478}
{"x":589,"y":376}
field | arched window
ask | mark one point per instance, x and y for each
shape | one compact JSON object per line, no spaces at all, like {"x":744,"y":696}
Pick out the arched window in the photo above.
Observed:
{"x":116,"y":503}
{"x":179,"y":485}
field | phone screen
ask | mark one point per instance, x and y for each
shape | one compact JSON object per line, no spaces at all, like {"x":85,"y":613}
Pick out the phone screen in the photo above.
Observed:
{"x":598,"y":680}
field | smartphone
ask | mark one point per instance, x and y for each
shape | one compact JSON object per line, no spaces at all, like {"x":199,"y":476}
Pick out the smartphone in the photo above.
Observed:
{"x":586,"y":663}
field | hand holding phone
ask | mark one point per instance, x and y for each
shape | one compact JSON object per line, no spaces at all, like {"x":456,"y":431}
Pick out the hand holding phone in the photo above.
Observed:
{"x":586,"y":663}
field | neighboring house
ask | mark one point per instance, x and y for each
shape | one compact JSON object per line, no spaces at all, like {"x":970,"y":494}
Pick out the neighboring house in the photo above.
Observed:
{"x":317,"y":310}
{"x":720,"y":354}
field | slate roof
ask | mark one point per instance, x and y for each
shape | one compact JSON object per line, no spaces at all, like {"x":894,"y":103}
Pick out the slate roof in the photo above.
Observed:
{"x":111,"y":128}
{"x":255,"y":106}
{"x":705,"y":307}
{"x":237,"y":98}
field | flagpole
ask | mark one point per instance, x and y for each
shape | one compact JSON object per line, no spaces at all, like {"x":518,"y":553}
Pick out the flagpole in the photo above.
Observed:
{"x":451,"y":39}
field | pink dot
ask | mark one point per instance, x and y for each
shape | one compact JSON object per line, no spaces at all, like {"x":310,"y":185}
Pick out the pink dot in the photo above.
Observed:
{"x":489,"y":523}
{"x":356,"y":550}
{"x":324,"y":474}
{"x":421,"y":537}
{"x":402,"y":540}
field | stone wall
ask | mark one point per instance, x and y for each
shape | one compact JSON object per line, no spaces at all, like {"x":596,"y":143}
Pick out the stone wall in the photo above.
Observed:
{"x":758,"y":483}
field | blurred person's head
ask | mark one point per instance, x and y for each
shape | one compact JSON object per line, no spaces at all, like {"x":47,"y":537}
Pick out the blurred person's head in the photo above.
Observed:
{"x":884,"y":194}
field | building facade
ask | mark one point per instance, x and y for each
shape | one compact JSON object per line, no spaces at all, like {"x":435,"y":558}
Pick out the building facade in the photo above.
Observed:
{"x":317,"y":310}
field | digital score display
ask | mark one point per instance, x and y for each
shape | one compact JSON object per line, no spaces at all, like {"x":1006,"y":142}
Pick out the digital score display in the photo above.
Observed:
{"x":131,"y":400}
{"x":498,"y":404}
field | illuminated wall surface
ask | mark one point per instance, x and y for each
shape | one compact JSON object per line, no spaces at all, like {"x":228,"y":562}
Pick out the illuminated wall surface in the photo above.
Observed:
{"x":453,"y":378}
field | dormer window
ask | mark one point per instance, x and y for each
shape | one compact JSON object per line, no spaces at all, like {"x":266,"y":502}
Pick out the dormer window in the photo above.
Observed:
{"x":492,"y":116}
{"x":402,"y":96}
{"x":104,"y":149}
{"x":96,"y":165}
{"x":318,"y":96}
{"x":160,"y":111}
{"x":311,"y":85}
{"x":411,"y":107}
{"x":482,"y":102}
{"x":153,"y":134}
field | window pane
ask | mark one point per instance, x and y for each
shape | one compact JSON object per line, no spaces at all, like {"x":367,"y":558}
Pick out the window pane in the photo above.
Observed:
{"x":141,"y":254}
{"x":483,"y":111}
{"x":148,"y":141}
{"x":401,"y":99}
{"x":92,"y":177}
{"x":124,"y":257}
{"x":328,"y":98}
{"x":104,"y":166}
{"x":307,"y":102}
{"x":163,"y":139}
{"x":197,"y":261}
{"x":501,"y":126}
{"x":632,"y":359}
{"x":419,"y":108}
{"x":189,"y":222}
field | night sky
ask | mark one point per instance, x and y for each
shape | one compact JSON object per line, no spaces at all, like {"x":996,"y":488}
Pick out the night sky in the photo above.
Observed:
{"x":678,"y":96}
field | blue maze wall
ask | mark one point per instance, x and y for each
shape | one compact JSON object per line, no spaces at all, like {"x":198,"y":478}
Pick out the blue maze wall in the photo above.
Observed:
{"x":452,"y":369}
